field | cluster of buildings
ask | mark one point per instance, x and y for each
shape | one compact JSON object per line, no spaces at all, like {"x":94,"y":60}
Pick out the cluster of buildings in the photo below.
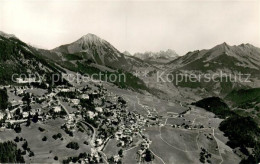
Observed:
{"x":112,"y":115}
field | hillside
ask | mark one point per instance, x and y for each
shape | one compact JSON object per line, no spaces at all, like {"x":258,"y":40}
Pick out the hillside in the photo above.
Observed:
{"x":17,"y":58}
{"x":244,"y":97}
{"x":215,"y":105}
{"x":92,"y":55}
{"x":140,"y":119}
{"x":223,"y":63}
{"x":91,"y":47}
{"x":242,"y":131}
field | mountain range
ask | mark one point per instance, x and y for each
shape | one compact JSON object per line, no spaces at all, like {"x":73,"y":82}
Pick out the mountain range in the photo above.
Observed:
{"x":157,"y":57}
{"x":183,"y":121}
{"x":222,"y":59}
{"x":90,"y":51}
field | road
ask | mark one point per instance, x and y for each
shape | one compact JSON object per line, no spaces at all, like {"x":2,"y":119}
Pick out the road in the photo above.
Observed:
{"x":93,"y":138}
{"x":66,"y":110}
{"x":213,"y":133}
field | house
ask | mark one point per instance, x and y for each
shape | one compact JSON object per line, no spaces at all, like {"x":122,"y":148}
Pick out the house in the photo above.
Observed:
{"x":51,"y":95}
{"x":84,"y":96}
{"x":99,"y":109}
{"x":116,"y":158}
{"x":71,"y":116}
{"x":25,"y":114}
{"x":26,"y":80}
{"x":99,"y":141}
{"x":65,"y":90}
{"x":19,"y":91}
{"x":91,"y":114}
{"x":57,"y":109}
{"x":16,"y":102}
{"x":1,"y":116}
{"x":75,"y":101}
{"x":36,"y":108}
{"x":19,"y":80}
{"x":9,"y":116}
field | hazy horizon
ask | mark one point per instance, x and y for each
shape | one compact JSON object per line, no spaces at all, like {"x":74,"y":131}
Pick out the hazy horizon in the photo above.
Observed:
{"x":134,"y":26}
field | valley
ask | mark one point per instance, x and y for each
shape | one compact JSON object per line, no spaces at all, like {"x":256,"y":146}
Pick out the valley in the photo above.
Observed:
{"x":139,"y":120}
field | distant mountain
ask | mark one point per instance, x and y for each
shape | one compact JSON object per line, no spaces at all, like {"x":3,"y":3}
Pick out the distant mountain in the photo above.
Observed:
{"x":244,"y":58}
{"x":157,"y":57}
{"x":223,"y":55}
{"x":91,"y":47}
{"x":93,"y":55}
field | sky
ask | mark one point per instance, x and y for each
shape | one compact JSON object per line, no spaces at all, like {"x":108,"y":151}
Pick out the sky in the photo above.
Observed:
{"x":134,"y":26}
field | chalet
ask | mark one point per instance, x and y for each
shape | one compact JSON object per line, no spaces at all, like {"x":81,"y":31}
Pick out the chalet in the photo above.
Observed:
{"x":91,"y":114}
{"x":57,"y":109}
{"x":84,"y":96}
{"x":116,"y":158}
{"x":99,"y":141}
{"x":65,"y":90}
{"x":1,"y":116}
{"x":16,"y":103}
{"x":20,"y":91}
{"x":99,"y":109}
{"x":25,"y":114}
{"x":26,"y":80}
{"x":75,"y":101}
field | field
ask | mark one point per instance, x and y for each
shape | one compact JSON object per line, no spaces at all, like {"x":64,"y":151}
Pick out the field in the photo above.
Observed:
{"x":167,"y":152}
{"x":46,"y":150}
{"x":111,"y":148}
{"x":181,"y":145}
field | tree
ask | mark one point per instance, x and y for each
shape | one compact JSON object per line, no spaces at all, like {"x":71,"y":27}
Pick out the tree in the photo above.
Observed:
{"x":3,"y":99}
{"x":31,"y":154}
{"x":10,"y":154}
{"x":59,"y":135}
{"x":28,"y":122}
{"x":16,"y":139}
{"x":27,"y":99}
{"x":41,"y":129}
{"x":25,"y":145}
{"x":120,"y":153}
{"x":148,"y":156}
{"x":55,"y":136}
{"x":35,"y":118}
{"x":44,"y":138}
{"x":73,"y":145}
{"x":17,"y":128}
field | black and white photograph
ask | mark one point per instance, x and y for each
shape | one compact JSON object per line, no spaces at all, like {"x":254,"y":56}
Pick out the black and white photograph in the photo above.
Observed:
{"x":130,"y":81}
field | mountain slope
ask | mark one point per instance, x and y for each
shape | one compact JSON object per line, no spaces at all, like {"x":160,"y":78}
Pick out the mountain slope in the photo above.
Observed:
{"x":244,"y":97}
{"x":244,"y":56}
{"x":17,"y":58}
{"x":91,"y":55}
{"x":91,"y":47}
{"x":225,"y":59}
